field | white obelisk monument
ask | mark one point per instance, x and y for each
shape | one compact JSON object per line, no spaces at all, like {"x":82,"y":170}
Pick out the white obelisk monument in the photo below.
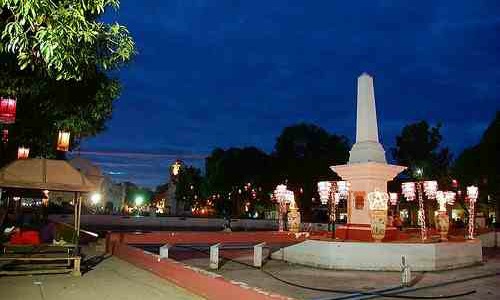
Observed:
{"x":367,"y":168}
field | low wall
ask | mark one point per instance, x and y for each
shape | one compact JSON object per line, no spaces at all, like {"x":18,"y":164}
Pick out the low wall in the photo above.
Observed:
{"x":138,"y":222}
{"x":383,"y":256}
{"x":490,"y":239}
{"x":206,"y":284}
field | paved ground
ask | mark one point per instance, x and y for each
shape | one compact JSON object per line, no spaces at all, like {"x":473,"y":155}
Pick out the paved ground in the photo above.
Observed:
{"x":112,"y":279}
{"x":486,"y":288}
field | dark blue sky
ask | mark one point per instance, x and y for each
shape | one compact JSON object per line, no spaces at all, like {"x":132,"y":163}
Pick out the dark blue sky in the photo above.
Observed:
{"x":233,"y":73}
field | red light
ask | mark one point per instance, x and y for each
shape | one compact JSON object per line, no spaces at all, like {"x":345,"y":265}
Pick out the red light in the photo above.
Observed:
{"x":7,"y":110}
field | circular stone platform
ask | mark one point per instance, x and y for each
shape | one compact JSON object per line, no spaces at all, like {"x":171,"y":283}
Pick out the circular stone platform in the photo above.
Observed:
{"x":382,"y":256}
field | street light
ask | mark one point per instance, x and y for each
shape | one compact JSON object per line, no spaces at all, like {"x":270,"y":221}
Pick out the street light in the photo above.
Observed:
{"x":95,"y":198}
{"x":282,"y":196}
{"x":472,"y":195}
{"x":420,"y":188}
{"x":330,"y":193}
{"x":139,"y":200}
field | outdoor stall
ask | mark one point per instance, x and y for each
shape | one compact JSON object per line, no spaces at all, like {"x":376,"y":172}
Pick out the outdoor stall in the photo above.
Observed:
{"x":43,"y":176}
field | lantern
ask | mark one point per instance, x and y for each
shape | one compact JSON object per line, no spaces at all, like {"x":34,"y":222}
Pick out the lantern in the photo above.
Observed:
{"x":430,"y":188}
{"x":472,"y":193}
{"x":5,"y":136}
{"x":23,"y":153}
{"x":393,"y":198}
{"x":441,"y":199}
{"x":324,"y":188}
{"x":7,"y":110}
{"x":63,"y":141}
{"x":450,"y":197}
{"x":408,"y":189}
{"x":343,"y":189}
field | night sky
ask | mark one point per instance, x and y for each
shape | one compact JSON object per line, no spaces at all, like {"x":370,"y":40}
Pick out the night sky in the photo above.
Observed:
{"x":213,"y":73}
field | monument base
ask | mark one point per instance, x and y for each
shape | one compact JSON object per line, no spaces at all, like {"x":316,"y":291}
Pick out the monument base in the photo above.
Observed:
{"x":382,"y":256}
{"x":363,"y":233}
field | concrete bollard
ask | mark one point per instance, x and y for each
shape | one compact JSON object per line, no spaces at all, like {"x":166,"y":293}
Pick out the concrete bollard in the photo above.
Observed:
{"x":164,"y":251}
{"x":257,"y":255}
{"x":405,"y":272}
{"x":214,"y":256}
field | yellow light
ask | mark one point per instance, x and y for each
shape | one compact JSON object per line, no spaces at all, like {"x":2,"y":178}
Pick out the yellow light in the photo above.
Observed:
{"x":95,"y":198}
{"x":63,"y":141}
{"x":23,"y":153}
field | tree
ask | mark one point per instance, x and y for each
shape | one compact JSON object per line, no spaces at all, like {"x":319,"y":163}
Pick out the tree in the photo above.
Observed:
{"x":237,"y":176}
{"x":418,"y":147}
{"x":63,"y":38}
{"x":479,"y":165}
{"x":303,"y":155}
{"x":189,"y":184}
{"x":46,"y":105}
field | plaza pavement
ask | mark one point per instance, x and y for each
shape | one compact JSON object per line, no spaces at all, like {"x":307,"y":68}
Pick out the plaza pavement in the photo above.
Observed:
{"x":112,"y":279}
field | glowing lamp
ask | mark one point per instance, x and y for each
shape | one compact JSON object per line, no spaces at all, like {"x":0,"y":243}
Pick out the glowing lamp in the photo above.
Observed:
{"x":23,"y":153}
{"x":324,"y":188}
{"x":408,"y":189}
{"x":280,"y":192}
{"x":343,"y":189}
{"x":430,"y":189}
{"x":7,"y":110}
{"x":441,"y":199}
{"x":139,"y":200}
{"x":63,"y":141}
{"x":472,"y":193}
{"x":378,"y":200}
{"x":95,"y":198}
{"x":176,"y":167}
{"x":450,"y":197}
{"x":393,"y":198}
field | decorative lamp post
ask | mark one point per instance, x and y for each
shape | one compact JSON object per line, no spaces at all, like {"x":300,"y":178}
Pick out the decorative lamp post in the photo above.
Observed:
{"x":472,"y":194}
{"x":63,"y":141}
{"x":442,"y":219}
{"x":378,"y":213}
{"x":330,"y":192}
{"x":23,"y":153}
{"x":7,"y":110}
{"x":294,"y":214}
{"x":280,"y":193}
{"x":411,"y":190}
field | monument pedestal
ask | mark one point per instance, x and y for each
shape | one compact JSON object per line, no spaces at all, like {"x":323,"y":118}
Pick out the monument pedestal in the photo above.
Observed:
{"x":363,"y":233}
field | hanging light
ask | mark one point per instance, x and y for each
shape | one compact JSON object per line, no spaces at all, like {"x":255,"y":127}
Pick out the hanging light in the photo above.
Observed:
{"x":63,"y":141}
{"x":430,"y":189}
{"x":23,"y":152}
{"x":393,"y":198}
{"x":324,"y":188}
{"x":450,"y":197}
{"x":5,"y":136}
{"x":472,"y":193}
{"x":442,"y":200}
{"x":7,"y":110}
{"x":408,"y":189}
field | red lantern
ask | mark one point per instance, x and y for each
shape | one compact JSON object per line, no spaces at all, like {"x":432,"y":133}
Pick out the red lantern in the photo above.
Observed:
{"x":7,"y":110}
{"x":5,"y":135}
{"x":23,"y":153}
{"x":63,"y":141}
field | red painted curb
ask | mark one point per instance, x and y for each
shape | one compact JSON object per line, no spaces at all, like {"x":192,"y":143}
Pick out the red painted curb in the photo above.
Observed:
{"x":205,"y":284}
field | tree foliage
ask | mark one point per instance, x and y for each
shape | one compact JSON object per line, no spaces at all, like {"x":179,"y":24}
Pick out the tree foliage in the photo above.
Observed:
{"x":189,"y":185}
{"x":419,"y":147}
{"x":65,"y":38}
{"x":303,"y":156}
{"x":46,"y":105}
